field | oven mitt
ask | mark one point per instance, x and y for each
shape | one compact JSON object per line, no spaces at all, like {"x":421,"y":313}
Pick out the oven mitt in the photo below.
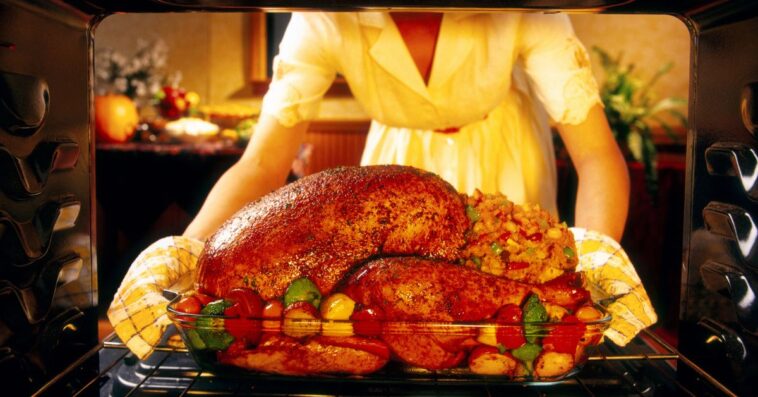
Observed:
{"x":138,"y":311}
{"x":611,"y":277}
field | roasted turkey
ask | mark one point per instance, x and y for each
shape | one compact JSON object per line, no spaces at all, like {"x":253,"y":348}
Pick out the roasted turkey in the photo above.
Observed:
{"x":392,"y":238}
{"x":325,"y":224}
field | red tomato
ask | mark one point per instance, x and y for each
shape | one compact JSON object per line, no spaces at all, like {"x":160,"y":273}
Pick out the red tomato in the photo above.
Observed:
{"x":531,"y":237}
{"x":510,"y":336}
{"x":516,"y":265}
{"x":565,"y":337}
{"x":242,"y":328}
{"x":188,"y":304}
{"x":249,"y":302}
{"x":367,"y":321}
{"x":248,"y":307}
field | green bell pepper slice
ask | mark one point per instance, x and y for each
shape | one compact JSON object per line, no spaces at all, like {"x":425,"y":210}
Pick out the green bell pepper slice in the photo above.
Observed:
{"x":534,"y":312}
{"x":302,"y":290}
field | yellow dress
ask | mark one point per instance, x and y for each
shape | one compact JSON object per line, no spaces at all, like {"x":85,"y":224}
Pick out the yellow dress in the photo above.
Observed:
{"x":487,"y":70}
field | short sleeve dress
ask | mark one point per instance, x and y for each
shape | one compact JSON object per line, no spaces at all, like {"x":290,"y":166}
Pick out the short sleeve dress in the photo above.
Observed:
{"x":482,"y":121}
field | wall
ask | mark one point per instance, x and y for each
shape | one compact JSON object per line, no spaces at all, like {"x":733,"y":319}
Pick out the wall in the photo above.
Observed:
{"x":648,"y":41}
{"x":210,"y":49}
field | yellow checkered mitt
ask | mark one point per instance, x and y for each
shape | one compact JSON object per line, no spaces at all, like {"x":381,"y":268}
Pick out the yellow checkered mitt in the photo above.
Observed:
{"x":611,"y":275}
{"x":138,"y":311}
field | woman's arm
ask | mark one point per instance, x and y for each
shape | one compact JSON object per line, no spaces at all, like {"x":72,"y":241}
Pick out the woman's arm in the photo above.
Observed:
{"x":263,"y":167}
{"x":602,"y":199}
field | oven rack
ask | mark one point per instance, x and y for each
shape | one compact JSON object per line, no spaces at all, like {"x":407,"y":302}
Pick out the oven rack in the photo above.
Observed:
{"x":647,"y":367}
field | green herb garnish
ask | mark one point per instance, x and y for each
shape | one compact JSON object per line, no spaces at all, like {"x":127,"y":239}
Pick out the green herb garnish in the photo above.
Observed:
{"x":472,"y":213}
{"x":477,"y":261}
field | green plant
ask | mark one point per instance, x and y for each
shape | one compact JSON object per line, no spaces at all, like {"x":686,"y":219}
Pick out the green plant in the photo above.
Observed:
{"x":631,"y":108}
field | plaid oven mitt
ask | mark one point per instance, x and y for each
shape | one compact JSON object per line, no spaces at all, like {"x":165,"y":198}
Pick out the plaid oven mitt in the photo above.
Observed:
{"x":138,"y":311}
{"x":611,"y":277}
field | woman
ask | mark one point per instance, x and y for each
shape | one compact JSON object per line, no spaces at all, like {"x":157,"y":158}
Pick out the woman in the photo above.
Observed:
{"x":450,"y":93}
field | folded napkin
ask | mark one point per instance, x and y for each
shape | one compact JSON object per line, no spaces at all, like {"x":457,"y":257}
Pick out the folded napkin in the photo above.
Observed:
{"x":138,"y":312}
{"x":611,"y":277}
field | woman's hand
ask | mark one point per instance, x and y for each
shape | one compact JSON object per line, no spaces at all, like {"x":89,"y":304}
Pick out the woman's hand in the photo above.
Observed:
{"x":602,"y":198}
{"x":263,"y":167}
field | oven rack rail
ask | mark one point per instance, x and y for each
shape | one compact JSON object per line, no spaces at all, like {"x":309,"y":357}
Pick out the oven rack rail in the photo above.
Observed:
{"x":663,"y":352}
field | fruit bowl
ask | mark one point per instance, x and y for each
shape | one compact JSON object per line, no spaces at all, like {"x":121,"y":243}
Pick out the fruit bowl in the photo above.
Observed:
{"x":300,"y":340}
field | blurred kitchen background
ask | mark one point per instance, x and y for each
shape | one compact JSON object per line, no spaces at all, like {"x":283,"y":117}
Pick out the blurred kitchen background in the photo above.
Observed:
{"x":199,"y":78}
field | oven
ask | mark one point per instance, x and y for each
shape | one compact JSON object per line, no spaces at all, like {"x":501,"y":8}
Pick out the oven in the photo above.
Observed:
{"x":48,"y":261}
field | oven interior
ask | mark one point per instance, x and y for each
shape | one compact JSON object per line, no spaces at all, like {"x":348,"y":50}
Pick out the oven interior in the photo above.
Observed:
{"x":49,"y":269}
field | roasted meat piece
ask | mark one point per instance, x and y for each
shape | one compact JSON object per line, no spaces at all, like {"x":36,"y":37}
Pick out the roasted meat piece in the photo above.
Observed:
{"x":324,"y":224}
{"x":416,"y":289}
{"x":319,"y":355}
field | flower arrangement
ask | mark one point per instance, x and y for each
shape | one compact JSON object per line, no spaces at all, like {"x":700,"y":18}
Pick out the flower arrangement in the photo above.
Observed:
{"x":632,"y":107}
{"x":139,"y":76}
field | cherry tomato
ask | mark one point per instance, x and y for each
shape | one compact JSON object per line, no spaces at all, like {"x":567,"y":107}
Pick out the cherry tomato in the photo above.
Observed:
{"x":249,"y":302}
{"x":247,"y":307}
{"x":273,"y":309}
{"x":510,"y":336}
{"x":188,"y":304}
{"x":565,"y":337}
{"x":242,"y":328}
{"x":367,"y":321}
{"x":272,"y":314}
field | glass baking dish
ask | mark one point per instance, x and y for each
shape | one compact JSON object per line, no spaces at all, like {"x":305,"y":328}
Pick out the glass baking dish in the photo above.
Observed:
{"x":492,"y":350}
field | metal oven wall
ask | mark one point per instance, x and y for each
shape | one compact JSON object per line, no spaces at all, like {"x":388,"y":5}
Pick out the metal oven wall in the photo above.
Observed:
{"x":719,"y":311}
{"x":47,"y":279}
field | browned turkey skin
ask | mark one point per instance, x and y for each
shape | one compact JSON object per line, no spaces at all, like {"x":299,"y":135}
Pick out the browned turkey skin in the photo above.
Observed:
{"x":324,"y":224}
